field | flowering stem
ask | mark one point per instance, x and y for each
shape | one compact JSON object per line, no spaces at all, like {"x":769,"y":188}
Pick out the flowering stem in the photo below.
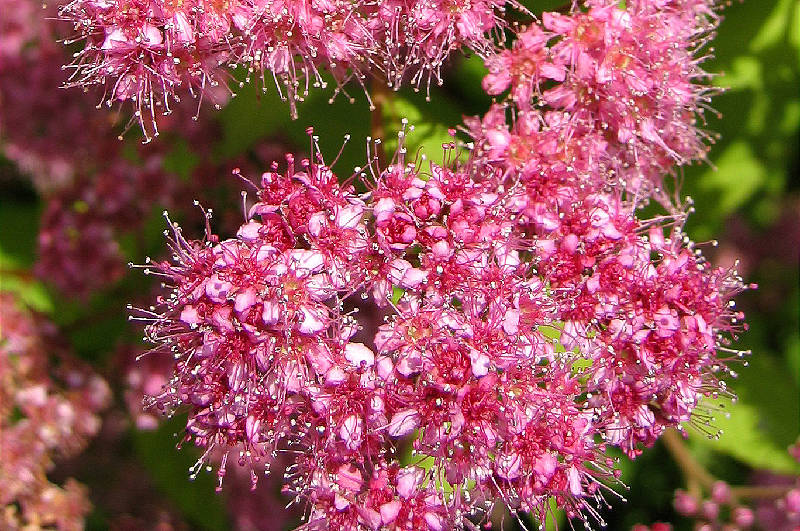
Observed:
{"x":22,"y":274}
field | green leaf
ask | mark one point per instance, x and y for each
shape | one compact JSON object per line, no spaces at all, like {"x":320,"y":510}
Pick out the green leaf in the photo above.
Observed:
{"x":464,"y":82}
{"x":739,"y":161}
{"x":397,"y":294}
{"x":331,"y":123}
{"x":540,"y":6}
{"x":758,"y":54}
{"x":777,"y":25}
{"x":31,"y":293}
{"x":256,"y":115}
{"x":763,"y":422}
{"x":249,"y":117}
{"x":20,"y":226}
{"x":431,"y":123}
{"x":20,"y":223}
{"x":169,"y":470}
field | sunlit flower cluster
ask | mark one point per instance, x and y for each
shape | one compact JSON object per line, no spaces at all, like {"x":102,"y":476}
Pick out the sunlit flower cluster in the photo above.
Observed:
{"x":532,"y":317}
{"x":422,"y":342}
{"x":627,"y":80}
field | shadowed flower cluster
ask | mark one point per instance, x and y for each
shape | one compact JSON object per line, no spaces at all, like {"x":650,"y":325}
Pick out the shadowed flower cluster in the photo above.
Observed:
{"x":49,"y":405}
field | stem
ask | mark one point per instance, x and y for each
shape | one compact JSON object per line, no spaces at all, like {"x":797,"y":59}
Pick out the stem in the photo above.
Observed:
{"x":22,"y":274}
{"x":381,"y":95}
{"x":761,"y":492}
{"x":697,"y":476}
{"x":693,"y":470}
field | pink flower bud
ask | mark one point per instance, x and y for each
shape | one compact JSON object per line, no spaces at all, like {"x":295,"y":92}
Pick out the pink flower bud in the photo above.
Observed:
{"x":359,"y":355}
{"x":408,"y":479}
{"x":403,"y":422}
{"x":389,"y":511}
{"x":685,"y":503}
{"x":720,"y":492}
{"x":349,"y":478}
{"x":792,"y":500}
{"x":710,"y":510}
{"x":352,"y":432}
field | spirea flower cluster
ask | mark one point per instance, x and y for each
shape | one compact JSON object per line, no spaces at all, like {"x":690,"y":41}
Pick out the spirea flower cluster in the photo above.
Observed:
{"x":49,"y":405}
{"x":532,"y":317}
{"x":149,"y":51}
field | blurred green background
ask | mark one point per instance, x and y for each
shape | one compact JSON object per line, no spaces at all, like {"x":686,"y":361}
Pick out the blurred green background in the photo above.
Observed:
{"x":748,"y":198}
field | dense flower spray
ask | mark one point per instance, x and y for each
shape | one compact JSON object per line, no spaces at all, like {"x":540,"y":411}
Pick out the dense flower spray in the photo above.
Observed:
{"x":532,"y":317}
{"x":529,"y":317}
{"x":514,"y":351}
{"x":95,"y":188}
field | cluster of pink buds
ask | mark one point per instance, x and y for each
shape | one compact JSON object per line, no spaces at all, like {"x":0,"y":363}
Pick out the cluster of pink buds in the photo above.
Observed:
{"x":78,"y":249}
{"x":521,"y":337}
{"x":528,"y":316}
{"x":771,"y":501}
{"x":658,"y":526}
{"x":49,"y":405}
{"x":149,"y":51}
{"x":94,"y":187}
{"x":709,"y":513}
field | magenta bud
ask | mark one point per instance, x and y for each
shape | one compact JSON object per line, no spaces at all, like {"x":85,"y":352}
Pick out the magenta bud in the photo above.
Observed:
{"x":720,"y":492}
{"x":792,"y":501}
{"x":685,"y":503}
{"x":743,"y":517}
{"x":710,"y":510}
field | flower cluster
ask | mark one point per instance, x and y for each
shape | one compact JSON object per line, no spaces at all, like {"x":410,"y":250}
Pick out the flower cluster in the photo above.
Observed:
{"x":614,"y":299}
{"x":262,"y":327}
{"x":532,"y":317}
{"x":531,"y":322}
{"x":49,"y":405}
{"x":708,"y":512}
{"x":91,"y":185}
{"x":415,"y":37}
{"x":600,"y":117}
{"x":150,"y":51}
{"x":78,"y":249}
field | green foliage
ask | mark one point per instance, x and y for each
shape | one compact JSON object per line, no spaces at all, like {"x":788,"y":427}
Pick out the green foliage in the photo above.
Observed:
{"x":255,"y":116}
{"x":758,"y":427}
{"x":430,"y":123}
{"x":20,"y":223}
{"x":169,"y":469}
{"x":757,"y":50}
{"x":19,"y":219}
